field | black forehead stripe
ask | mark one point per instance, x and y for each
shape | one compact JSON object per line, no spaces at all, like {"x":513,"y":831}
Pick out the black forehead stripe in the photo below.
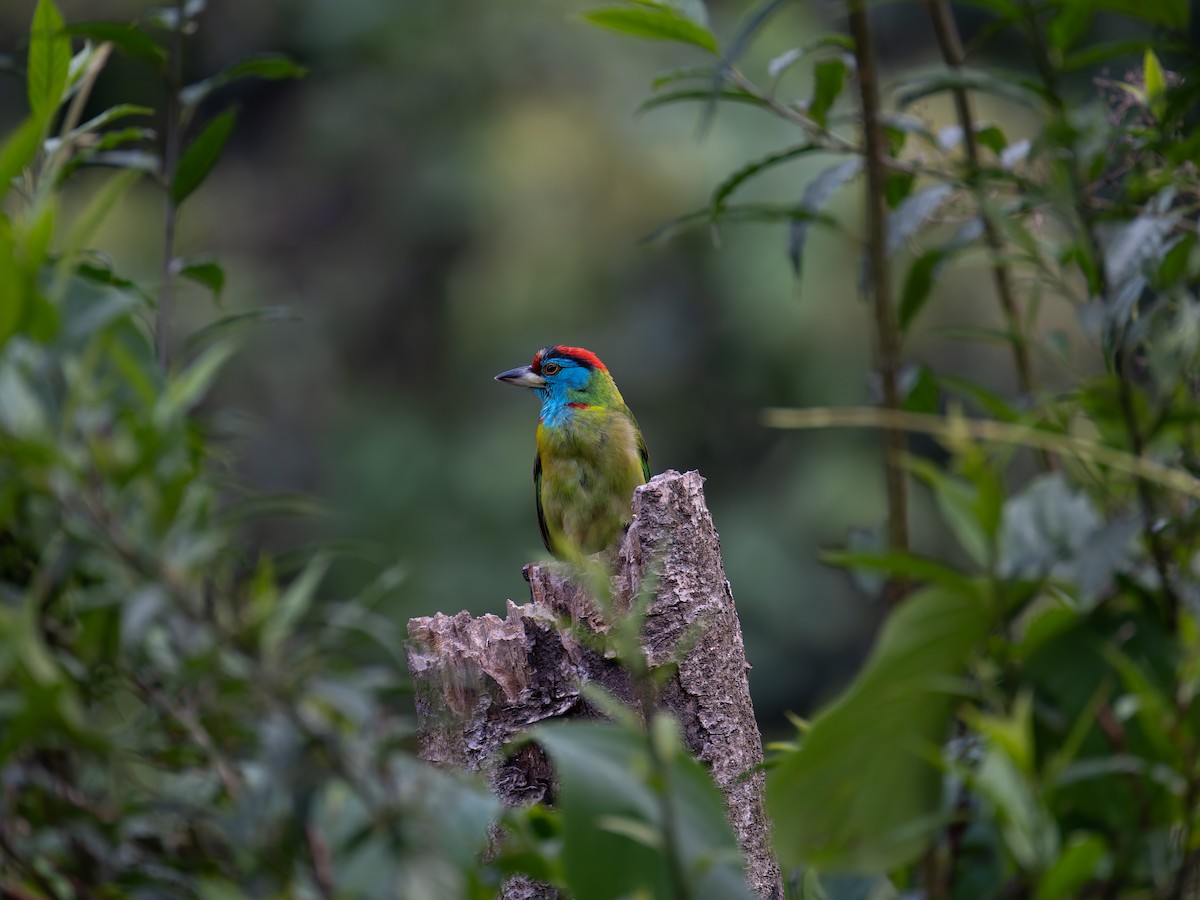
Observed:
{"x":561,"y":352}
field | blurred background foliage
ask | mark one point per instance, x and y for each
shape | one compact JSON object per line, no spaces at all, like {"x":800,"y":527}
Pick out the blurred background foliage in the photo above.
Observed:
{"x":458,"y":184}
{"x":451,"y":188}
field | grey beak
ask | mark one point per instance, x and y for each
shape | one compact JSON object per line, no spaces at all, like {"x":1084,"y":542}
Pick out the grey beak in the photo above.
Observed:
{"x":522,"y":376}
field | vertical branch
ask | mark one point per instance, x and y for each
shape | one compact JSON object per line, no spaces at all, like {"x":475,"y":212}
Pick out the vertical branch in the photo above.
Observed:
{"x":950,"y":44}
{"x":172,"y":138}
{"x":887,"y":332}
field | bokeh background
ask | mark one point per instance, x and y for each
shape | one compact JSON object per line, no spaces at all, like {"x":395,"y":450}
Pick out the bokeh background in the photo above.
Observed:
{"x":460,"y":182}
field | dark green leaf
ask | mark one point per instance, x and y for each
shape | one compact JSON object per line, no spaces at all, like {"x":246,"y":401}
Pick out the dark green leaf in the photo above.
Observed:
{"x":736,"y":179}
{"x":897,"y":186}
{"x":17,"y":150}
{"x":918,"y":285}
{"x":272,"y":67}
{"x":789,"y":58}
{"x":687,"y":73}
{"x":816,"y":195}
{"x":126,"y":38}
{"x":919,"y":87}
{"x":1078,"y":864}
{"x":1070,"y":24}
{"x":1171,"y":13}
{"x":747,"y":29}
{"x":606,"y":797}
{"x":731,"y":95}
{"x":919,"y":390}
{"x":895,"y":563}
{"x":235,"y":321}
{"x":992,"y":137}
{"x":1175,"y":262}
{"x":201,"y":155}
{"x":112,"y":114}
{"x":1095,"y":54}
{"x":863,"y":794}
{"x":49,"y":60}
{"x":829,"y":76}
{"x":656,"y":23}
{"x":742,"y":212}
{"x":202,"y":271}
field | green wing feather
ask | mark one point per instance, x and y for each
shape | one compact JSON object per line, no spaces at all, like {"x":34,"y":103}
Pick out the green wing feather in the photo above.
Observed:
{"x":537,"y":493}
{"x":641,"y":444}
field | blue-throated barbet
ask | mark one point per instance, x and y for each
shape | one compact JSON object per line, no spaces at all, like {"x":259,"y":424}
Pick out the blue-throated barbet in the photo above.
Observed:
{"x":590,"y":451}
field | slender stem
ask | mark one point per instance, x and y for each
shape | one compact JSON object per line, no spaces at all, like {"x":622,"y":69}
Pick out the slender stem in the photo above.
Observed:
{"x":887,"y":332}
{"x":956,"y":430}
{"x":950,"y":43}
{"x":172,"y":138}
{"x":1154,"y":539}
{"x":659,"y":767}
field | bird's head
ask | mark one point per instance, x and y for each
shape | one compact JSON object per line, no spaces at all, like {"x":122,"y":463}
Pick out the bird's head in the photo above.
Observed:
{"x":565,"y":378}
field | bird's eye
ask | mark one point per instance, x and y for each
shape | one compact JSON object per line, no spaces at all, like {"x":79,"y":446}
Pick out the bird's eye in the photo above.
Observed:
{"x":550,"y":368}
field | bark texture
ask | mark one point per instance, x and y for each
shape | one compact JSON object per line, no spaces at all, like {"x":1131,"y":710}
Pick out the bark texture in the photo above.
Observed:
{"x":481,"y":681}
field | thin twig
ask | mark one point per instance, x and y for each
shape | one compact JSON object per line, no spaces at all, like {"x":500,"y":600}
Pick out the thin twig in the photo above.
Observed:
{"x":887,"y":332}
{"x":172,"y":138}
{"x":955,"y":430}
{"x":322,"y":863}
{"x":950,"y":43}
{"x":195,"y":728}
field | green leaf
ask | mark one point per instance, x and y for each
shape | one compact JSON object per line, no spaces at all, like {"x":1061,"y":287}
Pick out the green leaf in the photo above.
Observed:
{"x":918,"y":87}
{"x":112,"y":114}
{"x":1103,"y":52}
{"x":270,"y":67}
{"x":294,"y":603}
{"x":731,"y":95}
{"x":202,"y":271}
{"x":126,"y":38}
{"x":740,"y":212}
{"x":960,"y":506}
{"x":816,"y":194}
{"x":49,"y":60}
{"x":1171,"y":13}
{"x":88,"y":222}
{"x":784,"y":61}
{"x":748,"y":171}
{"x":687,"y":73}
{"x":897,"y":186}
{"x":605,"y":776}
{"x":1078,"y":864}
{"x":188,"y":388}
{"x":913,"y":213}
{"x":918,"y":285}
{"x":896,"y":563}
{"x":1070,"y":23}
{"x":829,"y":76}
{"x":201,"y":155}
{"x":1155,"y":82}
{"x":656,"y":23}
{"x":863,"y":792}
{"x":17,"y":150}
{"x":992,"y":137}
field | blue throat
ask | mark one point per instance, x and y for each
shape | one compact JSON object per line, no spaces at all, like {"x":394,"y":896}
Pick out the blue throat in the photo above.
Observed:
{"x":556,"y":395}
{"x":556,"y":408}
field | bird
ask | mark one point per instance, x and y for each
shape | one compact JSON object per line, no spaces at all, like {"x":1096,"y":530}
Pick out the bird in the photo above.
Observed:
{"x":590,"y":451}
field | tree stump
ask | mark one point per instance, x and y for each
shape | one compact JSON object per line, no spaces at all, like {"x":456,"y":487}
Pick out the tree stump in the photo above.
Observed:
{"x":481,"y":681}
